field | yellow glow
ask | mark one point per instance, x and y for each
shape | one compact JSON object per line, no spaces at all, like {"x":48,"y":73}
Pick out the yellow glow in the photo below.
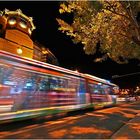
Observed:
{"x":12,"y":22}
{"x":44,"y":52}
{"x":19,"y":51}
{"x":23,"y":25}
{"x":29,"y":30}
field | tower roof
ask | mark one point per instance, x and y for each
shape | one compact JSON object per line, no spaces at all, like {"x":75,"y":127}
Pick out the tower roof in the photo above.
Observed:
{"x":18,"y":12}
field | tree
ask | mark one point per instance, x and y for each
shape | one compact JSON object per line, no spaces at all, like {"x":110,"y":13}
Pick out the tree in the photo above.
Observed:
{"x":115,"y":25}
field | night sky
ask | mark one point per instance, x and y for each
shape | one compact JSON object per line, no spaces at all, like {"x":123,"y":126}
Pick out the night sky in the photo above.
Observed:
{"x":70,"y":55}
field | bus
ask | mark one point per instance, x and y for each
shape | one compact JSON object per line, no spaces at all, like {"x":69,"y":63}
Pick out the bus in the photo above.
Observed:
{"x":30,"y":88}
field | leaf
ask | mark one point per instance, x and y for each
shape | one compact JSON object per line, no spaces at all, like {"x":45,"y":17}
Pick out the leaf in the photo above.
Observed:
{"x":112,"y":23}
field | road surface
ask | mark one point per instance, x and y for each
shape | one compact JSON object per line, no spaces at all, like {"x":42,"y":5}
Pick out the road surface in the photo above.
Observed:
{"x":100,"y":124}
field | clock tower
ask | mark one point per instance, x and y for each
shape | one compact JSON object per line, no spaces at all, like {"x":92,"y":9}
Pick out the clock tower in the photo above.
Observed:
{"x":15,"y":31}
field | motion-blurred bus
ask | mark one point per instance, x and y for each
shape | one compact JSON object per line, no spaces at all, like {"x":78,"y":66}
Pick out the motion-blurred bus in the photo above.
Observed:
{"x":30,"y":88}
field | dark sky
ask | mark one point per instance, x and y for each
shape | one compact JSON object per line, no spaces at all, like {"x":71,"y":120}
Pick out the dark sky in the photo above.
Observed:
{"x":70,"y":55}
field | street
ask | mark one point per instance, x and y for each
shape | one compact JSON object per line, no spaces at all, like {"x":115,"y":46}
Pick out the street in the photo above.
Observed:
{"x":99,"y":124}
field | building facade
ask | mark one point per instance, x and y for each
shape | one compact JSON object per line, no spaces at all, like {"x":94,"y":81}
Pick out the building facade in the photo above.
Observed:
{"x":15,"y":37}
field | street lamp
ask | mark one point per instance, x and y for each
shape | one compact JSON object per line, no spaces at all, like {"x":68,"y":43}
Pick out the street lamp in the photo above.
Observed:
{"x":118,"y":76}
{"x":115,"y":76}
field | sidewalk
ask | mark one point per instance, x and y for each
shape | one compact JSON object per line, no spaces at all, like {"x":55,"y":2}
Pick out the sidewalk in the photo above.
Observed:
{"x":129,"y":131}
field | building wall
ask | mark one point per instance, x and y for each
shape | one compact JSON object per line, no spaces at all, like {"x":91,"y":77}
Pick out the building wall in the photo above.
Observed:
{"x":37,"y":54}
{"x":12,"y":47}
{"x":15,"y":32}
{"x":19,"y":37}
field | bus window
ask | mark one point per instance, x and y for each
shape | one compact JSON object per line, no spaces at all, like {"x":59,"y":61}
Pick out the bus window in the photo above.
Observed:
{"x":44,"y":84}
{"x":95,"y":89}
{"x":82,"y":92}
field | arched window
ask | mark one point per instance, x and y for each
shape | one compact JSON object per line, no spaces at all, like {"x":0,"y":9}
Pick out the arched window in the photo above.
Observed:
{"x":23,"y":23}
{"x":12,"y":20}
{"x":29,"y":30}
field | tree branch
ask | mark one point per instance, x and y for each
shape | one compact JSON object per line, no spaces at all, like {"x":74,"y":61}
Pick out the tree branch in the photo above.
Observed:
{"x":132,"y":19}
{"x":135,"y":39}
{"x":135,"y":22}
{"x":124,"y":36}
{"x":114,"y":12}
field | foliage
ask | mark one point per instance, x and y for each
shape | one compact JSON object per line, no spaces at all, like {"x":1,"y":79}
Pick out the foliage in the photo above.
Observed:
{"x":113,"y":24}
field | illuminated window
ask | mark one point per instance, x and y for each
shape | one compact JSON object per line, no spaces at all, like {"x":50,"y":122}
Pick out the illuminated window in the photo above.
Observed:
{"x":23,"y":24}
{"x":29,"y":30}
{"x":12,"y":21}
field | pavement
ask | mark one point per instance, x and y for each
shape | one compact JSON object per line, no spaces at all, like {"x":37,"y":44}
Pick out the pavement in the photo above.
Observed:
{"x":120,"y":122}
{"x":131,"y":130}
